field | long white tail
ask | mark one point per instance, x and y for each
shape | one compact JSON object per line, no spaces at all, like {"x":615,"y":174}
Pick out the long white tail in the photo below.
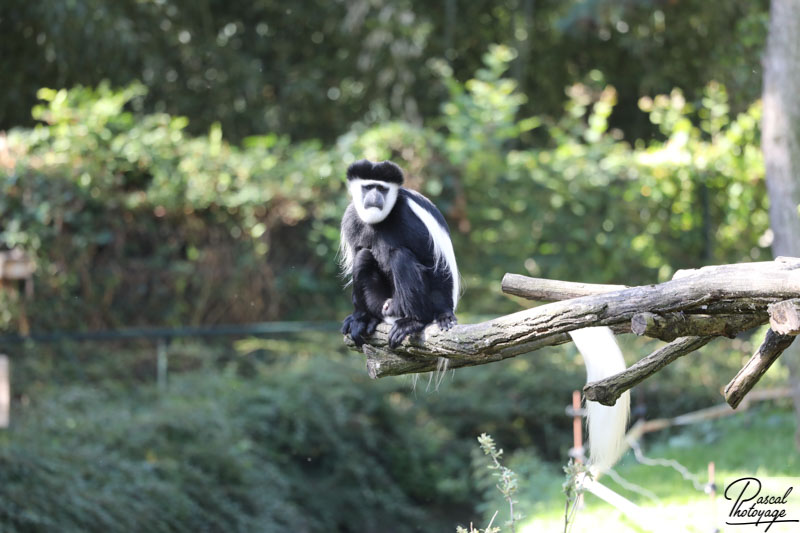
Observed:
{"x":603,"y":358}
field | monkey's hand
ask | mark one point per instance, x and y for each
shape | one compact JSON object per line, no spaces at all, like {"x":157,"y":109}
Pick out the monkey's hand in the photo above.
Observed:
{"x":359,"y":325}
{"x":402,"y":328}
{"x":447,"y":320}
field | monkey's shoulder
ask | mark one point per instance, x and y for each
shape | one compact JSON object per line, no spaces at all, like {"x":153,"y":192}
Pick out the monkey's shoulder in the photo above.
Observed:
{"x":413,"y":196}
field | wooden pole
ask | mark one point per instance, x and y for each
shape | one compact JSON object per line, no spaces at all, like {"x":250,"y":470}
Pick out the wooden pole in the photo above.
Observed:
{"x":5,"y":392}
{"x":577,"y":427}
{"x":577,"y":438}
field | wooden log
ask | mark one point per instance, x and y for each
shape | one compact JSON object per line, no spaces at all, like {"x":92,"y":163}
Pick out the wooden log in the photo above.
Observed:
{"x":507,"y":336}
{"x":784,"y":317}
{"x":773,"y":346}
{"x":670,"y":326}
{"x":607,"y":391}
{"x":548,"y":290}
{"x":382,"y":361}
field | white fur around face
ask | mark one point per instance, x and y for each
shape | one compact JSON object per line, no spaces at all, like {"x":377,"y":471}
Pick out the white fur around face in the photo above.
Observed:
{"x":373,"y":215}
{"x":346,"y":257}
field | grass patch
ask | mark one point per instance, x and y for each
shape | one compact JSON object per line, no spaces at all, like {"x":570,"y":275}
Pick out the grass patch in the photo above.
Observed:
{"x":758,"y":442}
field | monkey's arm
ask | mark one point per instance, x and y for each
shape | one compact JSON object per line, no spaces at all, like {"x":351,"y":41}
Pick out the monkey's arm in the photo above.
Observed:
{"x":410,"y":299}
{"x":371,"y":288}
{"x":411,"y":296}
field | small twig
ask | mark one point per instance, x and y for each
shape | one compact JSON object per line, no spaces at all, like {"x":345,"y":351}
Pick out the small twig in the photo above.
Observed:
{"x":607,"y":391}
{"x":491,"y":521}
{"x":773,"y":346}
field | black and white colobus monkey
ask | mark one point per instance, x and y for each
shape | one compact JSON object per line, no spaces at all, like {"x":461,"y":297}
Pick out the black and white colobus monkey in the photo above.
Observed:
{"x":396,"y":247}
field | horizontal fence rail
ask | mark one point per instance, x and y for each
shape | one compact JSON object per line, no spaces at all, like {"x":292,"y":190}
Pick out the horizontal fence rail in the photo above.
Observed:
{"x":230,"y":330}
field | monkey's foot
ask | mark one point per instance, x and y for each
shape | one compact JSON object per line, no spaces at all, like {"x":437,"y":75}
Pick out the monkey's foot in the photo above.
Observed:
{"x":402,"y":328}
{"x":447,"y":320}
{"x":358,"y":326}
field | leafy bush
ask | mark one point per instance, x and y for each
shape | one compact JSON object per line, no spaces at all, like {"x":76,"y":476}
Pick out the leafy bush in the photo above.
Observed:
{"x":308,"y":449}
{"x":281,"y":434}
{"x":133,"y":221}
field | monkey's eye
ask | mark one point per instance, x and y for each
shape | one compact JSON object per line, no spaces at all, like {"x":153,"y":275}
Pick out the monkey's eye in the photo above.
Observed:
{"x":380,"y":188}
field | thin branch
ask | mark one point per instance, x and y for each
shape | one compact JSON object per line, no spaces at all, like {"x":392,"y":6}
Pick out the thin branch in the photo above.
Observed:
{"x":548,"y":290}
{"x":607,"y":391}
{"x":773,"y":346}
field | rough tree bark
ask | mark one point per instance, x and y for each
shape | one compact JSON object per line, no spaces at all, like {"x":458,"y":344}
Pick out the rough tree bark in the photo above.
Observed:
{"x":780,"y":142}
{"x":695,"y":307}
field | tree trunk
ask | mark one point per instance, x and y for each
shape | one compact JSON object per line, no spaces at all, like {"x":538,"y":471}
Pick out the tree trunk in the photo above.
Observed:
{"x":780,"y":142}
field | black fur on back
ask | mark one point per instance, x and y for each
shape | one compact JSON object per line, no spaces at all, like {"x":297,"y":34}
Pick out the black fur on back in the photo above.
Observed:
{"x":383,"y":171}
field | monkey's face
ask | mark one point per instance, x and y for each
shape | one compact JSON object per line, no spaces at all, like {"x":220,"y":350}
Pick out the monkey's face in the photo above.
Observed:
{"x":373,"y":199}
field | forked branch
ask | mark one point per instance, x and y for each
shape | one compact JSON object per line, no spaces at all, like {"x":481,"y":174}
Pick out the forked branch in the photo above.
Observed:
{"x":689,"y":310}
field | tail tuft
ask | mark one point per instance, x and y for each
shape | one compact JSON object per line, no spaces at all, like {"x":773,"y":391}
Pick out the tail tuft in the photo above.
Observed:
{"x":607,"y":424}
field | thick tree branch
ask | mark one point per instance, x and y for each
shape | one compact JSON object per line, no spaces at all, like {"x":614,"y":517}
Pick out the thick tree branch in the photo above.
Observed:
{"x":748,"y":288}
{"x":381,"y":361}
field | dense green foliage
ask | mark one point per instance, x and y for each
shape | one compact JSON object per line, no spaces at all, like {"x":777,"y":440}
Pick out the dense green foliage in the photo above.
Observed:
{"x":186,"y":167}
{"x":309,"y":69}
{"x":281,"y":434}
{"x":218,"y":454}
{"x":257,"y":441}
{"x":134,"y":221}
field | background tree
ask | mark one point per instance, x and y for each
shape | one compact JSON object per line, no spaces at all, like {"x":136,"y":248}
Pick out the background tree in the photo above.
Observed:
{"x":311,"y":69}
{"x":780,"y":142}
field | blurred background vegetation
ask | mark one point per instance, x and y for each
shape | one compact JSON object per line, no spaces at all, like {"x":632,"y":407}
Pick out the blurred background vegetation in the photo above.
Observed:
{"x":173,"y":163}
